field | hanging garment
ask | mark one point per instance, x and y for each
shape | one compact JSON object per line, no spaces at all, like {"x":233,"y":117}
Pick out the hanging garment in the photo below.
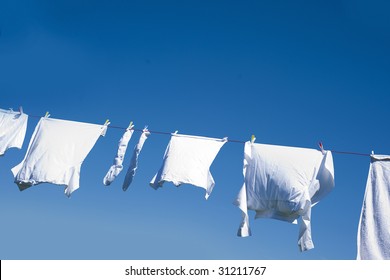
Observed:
{"x":134,"y":160}
{"x":373,"y":239}
{"x":117,"y":167}
{"x":55,"y":153}
{"x":187,"y":160}
{"x":13,"y":126}
{"x":284,"y":183}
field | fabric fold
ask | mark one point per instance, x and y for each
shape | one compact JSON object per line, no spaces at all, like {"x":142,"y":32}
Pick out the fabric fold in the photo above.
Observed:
{"x":187,"y":160}
{"x":56,"y":152}
{"x":283,"y":183}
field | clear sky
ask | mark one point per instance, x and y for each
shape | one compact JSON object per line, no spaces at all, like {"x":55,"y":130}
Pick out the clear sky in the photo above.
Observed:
{"x":291,"y":72}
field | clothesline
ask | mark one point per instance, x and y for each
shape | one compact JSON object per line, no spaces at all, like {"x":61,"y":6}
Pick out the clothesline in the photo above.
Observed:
{"x":229,"y":140}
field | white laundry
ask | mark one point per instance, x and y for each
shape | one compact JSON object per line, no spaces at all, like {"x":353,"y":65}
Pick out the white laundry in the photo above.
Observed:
{"x":134,"y":160}
{"x":56,"y":151}
{"x":117,"y":166}
{"x":187,"y":160}
{"x":284,"y":183}
{"x":373,"y":239}
{"x":13,"y":126}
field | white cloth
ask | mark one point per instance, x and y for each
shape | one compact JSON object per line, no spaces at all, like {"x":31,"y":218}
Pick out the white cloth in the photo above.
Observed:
{"x":56,"y":151}
{"x":373,"y":239}
{"x":13,"y":126}
{"x":117,"y":166}
{"x":134,"y":160}
{"x":187,"y":160}
{"x":283,"y":183}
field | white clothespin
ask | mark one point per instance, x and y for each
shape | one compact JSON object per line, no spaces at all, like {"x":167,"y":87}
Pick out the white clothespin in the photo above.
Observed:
{"x":21,"y":110}
{"x":253,"y":138}
{"x":225,"y":139}
{"x":175,"y":132}
{"x":372,"y":152}
{"x":145,"y":129}
{"x":321,"y":147}
{"x":130,"y":126}
{"x":47,"y":115}
{"x":11,"y":110}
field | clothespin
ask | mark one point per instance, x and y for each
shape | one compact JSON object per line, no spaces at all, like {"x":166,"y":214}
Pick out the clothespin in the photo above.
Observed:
{"x":130,"y":126}
{"x":104,"y":130}
{"x":11,"y":110}
{"x":175,"y":132}
{"x":321,"y":147}
{"x":225,"y":139}
{"x":20,"y":109}
{"x":47,"y":115}
{"x":253,"y":138}
{"x":372,"y":152}
{"x":145,"y":128}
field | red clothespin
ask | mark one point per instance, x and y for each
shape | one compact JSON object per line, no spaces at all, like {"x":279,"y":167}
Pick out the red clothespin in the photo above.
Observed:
{"x":321,"y":147}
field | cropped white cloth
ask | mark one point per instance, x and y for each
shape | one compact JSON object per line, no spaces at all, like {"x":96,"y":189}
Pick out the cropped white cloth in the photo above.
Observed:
{"x":373,"y":239}
{"x":284,"y":183}
{"x":134,"y":160}
{"x":56,"y":151}
{"x":13,"y":126}
{"x":187,"y":160}
{"x":117,"y":166}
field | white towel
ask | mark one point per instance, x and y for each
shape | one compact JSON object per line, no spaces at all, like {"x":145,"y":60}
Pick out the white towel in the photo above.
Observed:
{"x":134,"y":160}
{"x":55,"y":153}
{"x":117,"y":166}
{"x":187,"y":160}
{"x":373,"y":239}
{"x":13,"y":126}
{"x":284,"y":183}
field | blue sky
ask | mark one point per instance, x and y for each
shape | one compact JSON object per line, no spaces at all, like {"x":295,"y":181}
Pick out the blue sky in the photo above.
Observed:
{"x":291,"y":72}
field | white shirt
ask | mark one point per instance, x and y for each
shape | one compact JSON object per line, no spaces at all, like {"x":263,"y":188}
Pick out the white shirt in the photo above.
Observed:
{"x":55,"y":153}
{"x":13,"y":126}
{"x":283,"y":183}
{"x":187,"y":160}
